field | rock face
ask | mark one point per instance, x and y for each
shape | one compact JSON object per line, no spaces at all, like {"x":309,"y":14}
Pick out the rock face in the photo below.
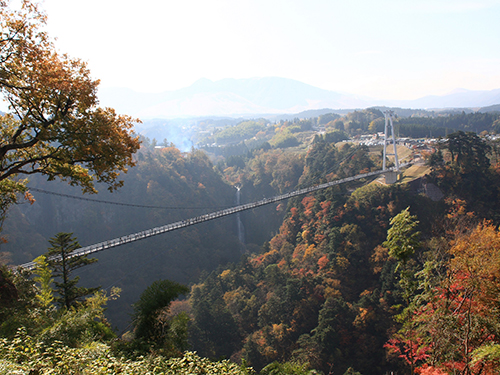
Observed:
{"x":422,"y":186}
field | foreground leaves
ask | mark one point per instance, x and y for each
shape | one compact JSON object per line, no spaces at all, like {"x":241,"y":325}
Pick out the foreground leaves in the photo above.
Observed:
{"x":24,"y":355}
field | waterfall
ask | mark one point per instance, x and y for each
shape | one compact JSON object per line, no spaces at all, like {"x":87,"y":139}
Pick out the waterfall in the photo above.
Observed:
{"x":239,"y":224}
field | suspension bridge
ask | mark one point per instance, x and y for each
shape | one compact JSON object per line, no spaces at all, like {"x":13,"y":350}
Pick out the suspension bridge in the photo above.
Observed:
{"x":390,"y":174}
{"x":105,"y":245}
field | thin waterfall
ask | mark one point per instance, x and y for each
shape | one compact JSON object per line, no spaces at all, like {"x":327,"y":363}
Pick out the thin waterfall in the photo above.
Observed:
{"x":239,"y":223}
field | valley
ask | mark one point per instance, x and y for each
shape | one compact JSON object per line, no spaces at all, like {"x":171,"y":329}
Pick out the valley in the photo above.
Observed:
{"x":271,"y":296}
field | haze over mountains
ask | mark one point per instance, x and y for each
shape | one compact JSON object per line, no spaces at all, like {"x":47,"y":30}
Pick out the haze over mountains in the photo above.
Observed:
{"x":269,"y":95}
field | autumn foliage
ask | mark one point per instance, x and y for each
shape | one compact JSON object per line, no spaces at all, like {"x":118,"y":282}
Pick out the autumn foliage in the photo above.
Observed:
{"x":54,"y":125}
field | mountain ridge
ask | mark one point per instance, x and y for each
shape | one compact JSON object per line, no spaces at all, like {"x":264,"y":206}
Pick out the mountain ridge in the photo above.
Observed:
{"x":269,"y":95}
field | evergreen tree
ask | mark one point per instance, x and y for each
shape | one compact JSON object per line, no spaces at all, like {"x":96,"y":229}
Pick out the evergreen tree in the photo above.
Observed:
{"x":63,"y":264}
{"x":402,"y":241}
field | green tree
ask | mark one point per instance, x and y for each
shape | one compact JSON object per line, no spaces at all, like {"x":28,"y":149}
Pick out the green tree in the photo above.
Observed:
{"x":326,"y":118}
{"x":402,"y":241}
{"x":402,"y":238}
{"x":44,"y":278}
{"x":467,"y":173}
{"x":63,"y":263}
{"x":335,"y":136}
{"x":154,"y":301}
{"x":468,"y":151}
{"x":82,"y":325}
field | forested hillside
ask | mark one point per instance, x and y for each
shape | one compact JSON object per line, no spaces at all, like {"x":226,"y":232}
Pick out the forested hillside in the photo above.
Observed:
{"x":330,"y":291}
{"x":280,"y":305}
{"x":179,"y":185}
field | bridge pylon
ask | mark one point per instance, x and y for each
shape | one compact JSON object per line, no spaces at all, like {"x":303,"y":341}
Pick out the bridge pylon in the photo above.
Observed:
{"x":390,"y":176}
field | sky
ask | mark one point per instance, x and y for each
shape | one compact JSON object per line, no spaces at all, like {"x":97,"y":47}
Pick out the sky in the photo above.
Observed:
{"x":384,"y":49}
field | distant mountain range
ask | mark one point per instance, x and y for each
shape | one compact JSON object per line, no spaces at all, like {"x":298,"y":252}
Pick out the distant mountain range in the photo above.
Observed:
{"x":266,"y":96}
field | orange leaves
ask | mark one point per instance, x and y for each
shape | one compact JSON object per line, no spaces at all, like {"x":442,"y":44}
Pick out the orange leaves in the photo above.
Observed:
{"x":299,"y":251}
{"x":325,"y":206}
{"x":29,"y":197}
{"x":379,"y":258}
{"x":363,"y":317}
{"x":265,"y":259}
{"x":308,"y":203}
{"x":476,"y":261}
{"x":457,"y":208}
{"x":322,"y":262}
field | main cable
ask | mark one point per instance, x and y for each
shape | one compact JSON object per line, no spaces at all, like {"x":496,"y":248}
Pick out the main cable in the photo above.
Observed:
{"x":123,"y":204}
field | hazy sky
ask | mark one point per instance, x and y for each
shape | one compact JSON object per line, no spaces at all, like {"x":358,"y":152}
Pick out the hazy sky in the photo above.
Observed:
{"x":387,"y":49}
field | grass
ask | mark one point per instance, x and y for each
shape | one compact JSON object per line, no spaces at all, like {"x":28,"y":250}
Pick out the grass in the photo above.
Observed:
{"x":414,"y":172}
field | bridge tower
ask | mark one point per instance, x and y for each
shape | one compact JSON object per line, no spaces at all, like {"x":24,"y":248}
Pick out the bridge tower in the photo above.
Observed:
{"x":391,"y":176}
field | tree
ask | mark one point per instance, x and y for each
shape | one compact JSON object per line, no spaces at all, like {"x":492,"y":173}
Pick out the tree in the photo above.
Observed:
{"x":466,"y":312}
{"x":468,"y":152}
{"x":402,"y":241}
{"x":44,"y":278}
{"x":54,"y":126}
{"x":454,"y":325}
{"x":155,"y":299}
{"x":63,"y":264}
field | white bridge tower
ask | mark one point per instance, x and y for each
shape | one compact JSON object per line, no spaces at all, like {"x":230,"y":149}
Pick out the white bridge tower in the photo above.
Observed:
{"x":390,"y":176}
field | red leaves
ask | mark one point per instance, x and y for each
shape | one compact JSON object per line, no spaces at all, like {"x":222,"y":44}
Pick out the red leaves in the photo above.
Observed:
{"x":411,"y":350}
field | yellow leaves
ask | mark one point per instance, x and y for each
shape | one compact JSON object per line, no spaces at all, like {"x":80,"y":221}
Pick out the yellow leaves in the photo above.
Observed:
{"x":225,"y":274}
{"x":310,"y":252}
{"x":457,"y":208}
{"x":29,"y":197}
{"x":360,"y":320}
{"x":278,"y":331}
